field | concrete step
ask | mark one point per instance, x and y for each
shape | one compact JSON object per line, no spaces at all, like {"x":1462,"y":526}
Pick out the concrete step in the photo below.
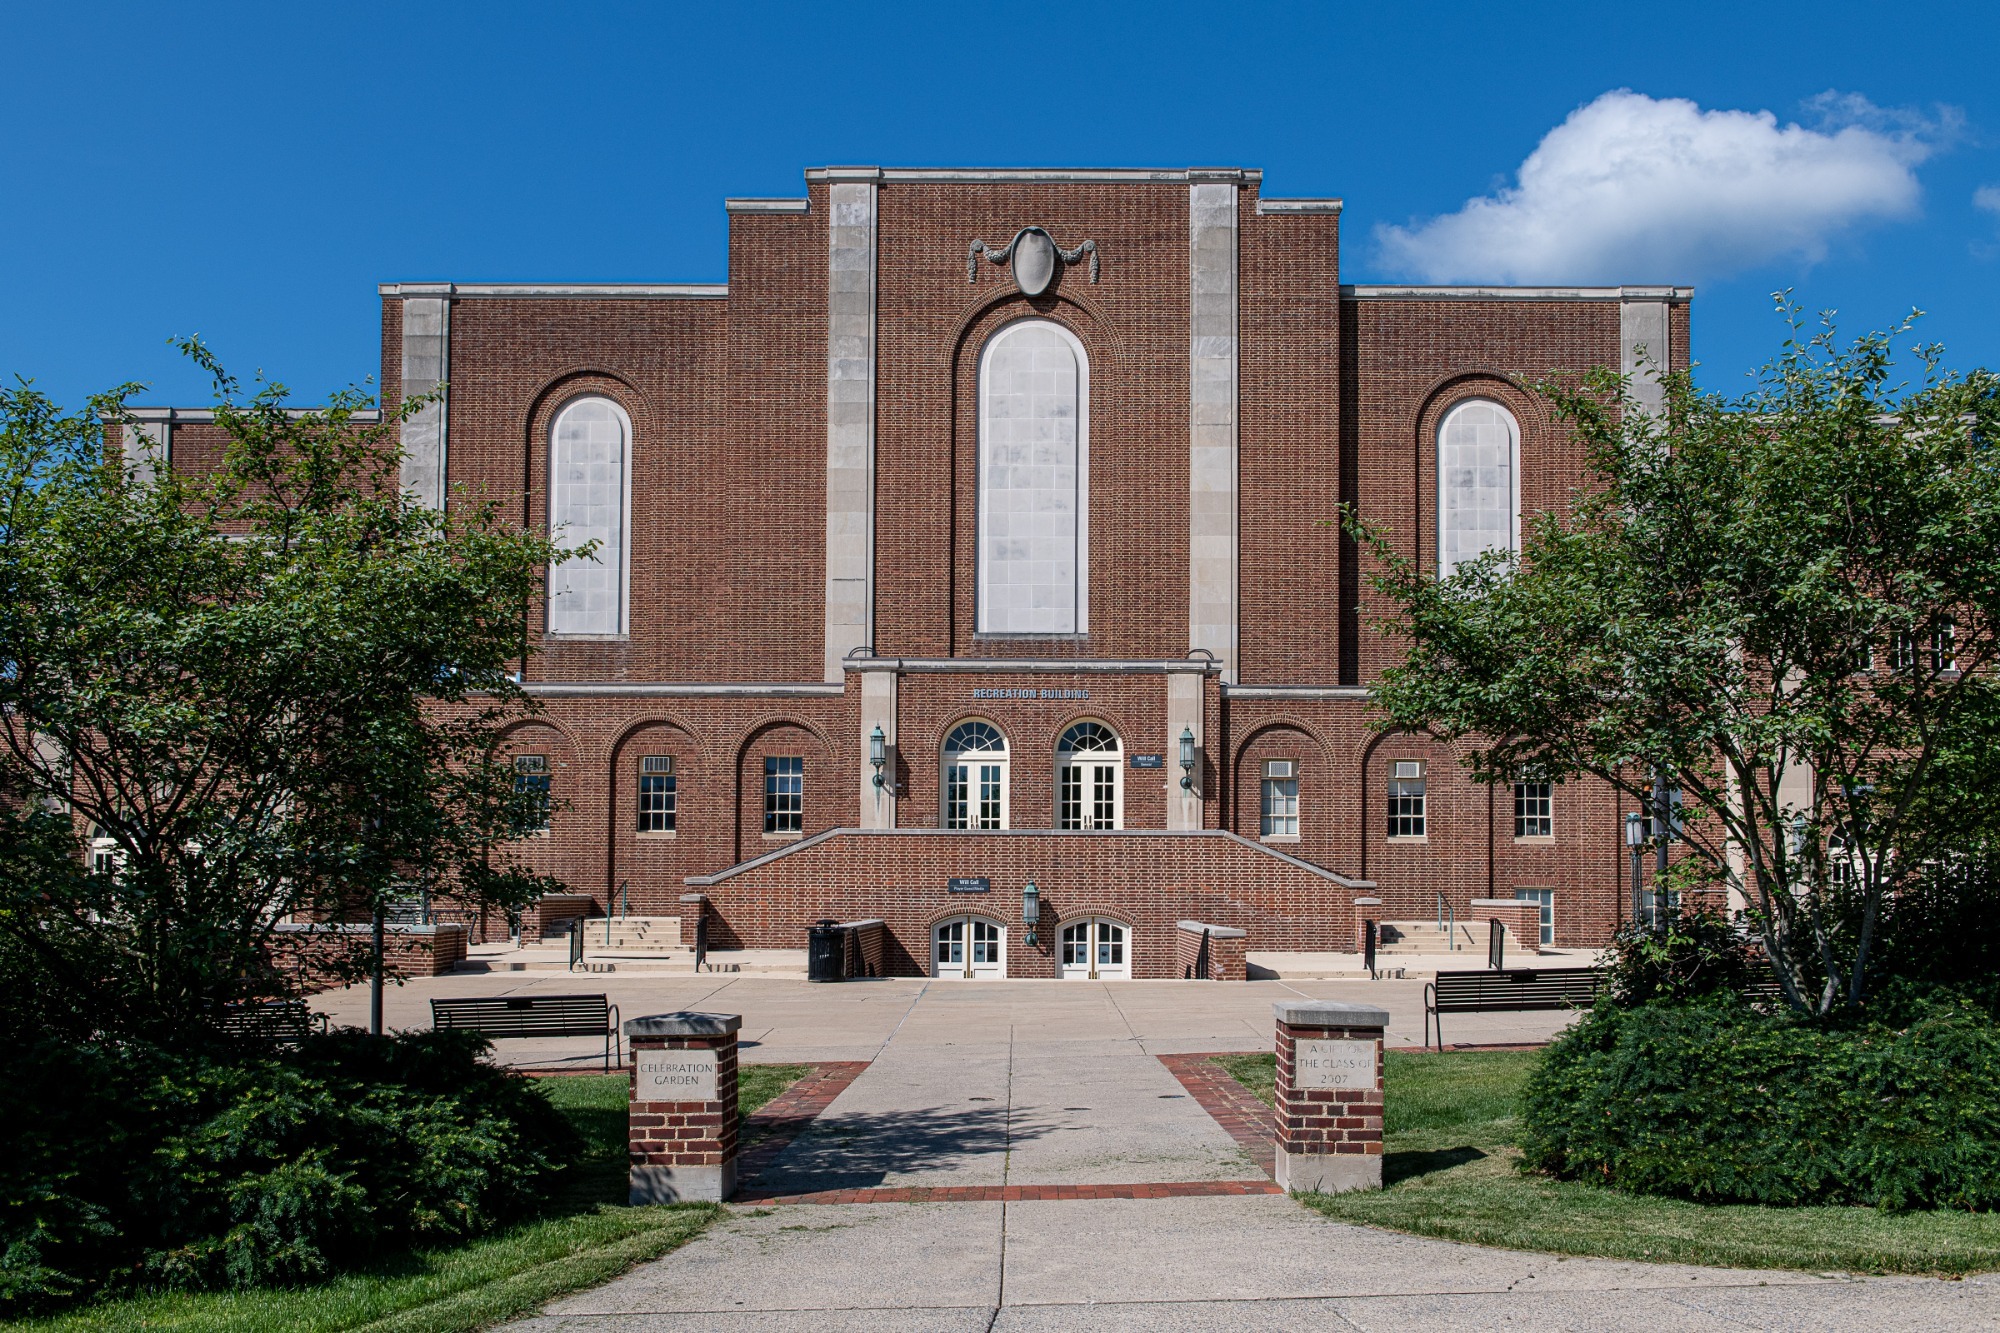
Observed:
{"x":543,"y":960}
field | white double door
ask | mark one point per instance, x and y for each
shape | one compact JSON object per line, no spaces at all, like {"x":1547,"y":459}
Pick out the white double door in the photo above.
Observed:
{"x":1095,"y":949}
{"x":969,"y":948}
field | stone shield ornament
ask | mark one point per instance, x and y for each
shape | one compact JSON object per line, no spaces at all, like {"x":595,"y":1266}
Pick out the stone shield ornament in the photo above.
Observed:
{"x":1033,"y":255}
{"x":1034,"y":262}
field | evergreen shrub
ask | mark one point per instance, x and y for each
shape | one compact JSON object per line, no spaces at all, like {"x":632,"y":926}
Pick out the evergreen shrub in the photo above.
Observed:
{"x":135,"y":1169}
{"x":1717,"y":1103}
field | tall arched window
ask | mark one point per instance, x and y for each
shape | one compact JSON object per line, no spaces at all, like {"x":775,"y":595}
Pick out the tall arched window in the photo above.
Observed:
{"x":1090,"y":785}
{"x":1034,"y":481}
{"x":975,"y":777}
{"x":590,"y":499}
{"x":1479,"y":483}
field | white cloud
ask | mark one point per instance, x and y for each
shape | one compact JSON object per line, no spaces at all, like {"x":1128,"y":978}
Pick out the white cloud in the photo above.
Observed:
{"x":1987,"y":197}
{"x":1643,"y":190}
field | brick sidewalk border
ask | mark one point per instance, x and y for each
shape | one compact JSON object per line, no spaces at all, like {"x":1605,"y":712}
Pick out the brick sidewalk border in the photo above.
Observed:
{"x":1240,"y":1112}
{"x":1179,"y":1189}
{"x":771,"y":1128}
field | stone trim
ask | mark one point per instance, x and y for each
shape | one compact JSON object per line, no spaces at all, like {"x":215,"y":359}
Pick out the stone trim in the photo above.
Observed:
{"x":1214,"y":349}
{"x":1371,"y":292}
{"x":555,"y":689}
{"x":850,"y":417}
{"x":767,"y":205}
{"x":596,"y":291}
{"x":1039,"y":665}
{"x":1034,"y":175}
{"x":1268,"y":207}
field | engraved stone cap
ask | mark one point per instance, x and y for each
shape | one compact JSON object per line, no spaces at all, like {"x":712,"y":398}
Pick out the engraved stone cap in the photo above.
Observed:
{"x":684,"y":1025}
{"x":1321,"y":1014}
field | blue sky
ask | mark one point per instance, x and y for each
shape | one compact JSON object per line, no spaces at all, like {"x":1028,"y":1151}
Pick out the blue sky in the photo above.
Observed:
{"x":251,"y":172}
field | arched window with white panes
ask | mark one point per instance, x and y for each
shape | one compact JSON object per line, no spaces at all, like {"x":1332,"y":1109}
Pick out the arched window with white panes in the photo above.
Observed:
{"x":1034,"y":481}
{"x":975,"y":777}
{"x":1090,"y":782}
{"x":590,"y":500}
{"x":1479,"y":483}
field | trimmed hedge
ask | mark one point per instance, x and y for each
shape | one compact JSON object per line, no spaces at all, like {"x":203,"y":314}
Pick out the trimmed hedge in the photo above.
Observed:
{"x":1717,"y":1103}
{"x":134,"y":1169}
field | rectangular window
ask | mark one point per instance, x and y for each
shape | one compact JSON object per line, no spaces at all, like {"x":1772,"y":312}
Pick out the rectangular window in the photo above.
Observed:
{"x":1281,"y":799}
{"x":531,"y":780}
{"x":1534,"y":807}
{"x":658,"y":793}
{"x":784,"y":794}
{"x":1902,"y":651}
{"x":1547,"y":898}
{"x":1944,"y":654}
{"x":1406,"y":798}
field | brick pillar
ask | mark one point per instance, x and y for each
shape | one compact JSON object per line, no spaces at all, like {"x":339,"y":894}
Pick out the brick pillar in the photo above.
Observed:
{"x":683,"y":1118}
{"x":1329,"y":1095}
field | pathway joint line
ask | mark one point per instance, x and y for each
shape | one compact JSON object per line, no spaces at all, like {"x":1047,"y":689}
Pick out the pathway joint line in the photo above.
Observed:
{"x":1005,"y":1194}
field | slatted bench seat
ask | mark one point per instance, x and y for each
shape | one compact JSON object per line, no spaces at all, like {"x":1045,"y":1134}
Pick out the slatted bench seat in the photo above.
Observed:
{"x":1507,"y":991}
{"x":275,"y":1021}
{"x":533,"y":1016}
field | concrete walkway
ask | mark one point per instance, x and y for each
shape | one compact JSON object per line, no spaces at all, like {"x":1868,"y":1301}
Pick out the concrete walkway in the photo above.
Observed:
{"x":786,"y":1020}
{"x":1034,"y":1085}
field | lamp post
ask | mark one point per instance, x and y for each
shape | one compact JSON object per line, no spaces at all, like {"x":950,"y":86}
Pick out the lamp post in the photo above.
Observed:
{"x":1187,"y":759}
{"x":1031,"y":909}
{"x":1635,"y":842}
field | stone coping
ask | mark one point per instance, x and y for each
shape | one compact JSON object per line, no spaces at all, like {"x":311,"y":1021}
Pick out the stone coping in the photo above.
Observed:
{"x":362,"y":928}
{"x":1329,"y":1014}
{"x":1214,"y":932}
{"x":684,"y":1024}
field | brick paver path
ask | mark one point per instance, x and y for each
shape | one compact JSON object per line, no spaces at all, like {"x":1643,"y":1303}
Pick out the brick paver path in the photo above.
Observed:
{"x":1237,"y":1109}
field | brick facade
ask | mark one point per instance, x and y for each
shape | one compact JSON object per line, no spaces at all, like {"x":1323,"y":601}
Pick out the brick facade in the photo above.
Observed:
{"x":1338,"y":394}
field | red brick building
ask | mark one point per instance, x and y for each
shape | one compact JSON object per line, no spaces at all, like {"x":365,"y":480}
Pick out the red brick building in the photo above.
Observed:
{"x":1023,"y":484}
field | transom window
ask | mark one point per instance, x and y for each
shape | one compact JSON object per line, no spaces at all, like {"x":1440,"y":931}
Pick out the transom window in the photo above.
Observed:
{"x":784,"y":794}
{"x":590,"y":500}
{"x":1280,"y":804}
{"x":1534,"y":807}
{"x":975,"y":777}
{"x":659,"y":796}
{"x":1090,"y":781}
{"x":1479,"y":484}
{"x":1034,"y":481}
{"x":1406,"y":798}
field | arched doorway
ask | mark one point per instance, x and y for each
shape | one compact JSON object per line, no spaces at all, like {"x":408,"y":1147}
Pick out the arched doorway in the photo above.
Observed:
{"x":969,"y":948}
{"x":1090,"y":788}
{"x":1095,"y":948}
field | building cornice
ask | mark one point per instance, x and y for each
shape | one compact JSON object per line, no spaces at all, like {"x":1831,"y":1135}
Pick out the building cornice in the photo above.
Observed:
{"x":1676,"y":295}
{"x":597,"y":689}
{"x":1000,"y":666}
{"x":533,"y":291}
{"x":1295,"y":206}
{"x":1295,"y":691}
{"x":767,"y":205}
{"x":1035,"y":175}
{"x":200,"y":416}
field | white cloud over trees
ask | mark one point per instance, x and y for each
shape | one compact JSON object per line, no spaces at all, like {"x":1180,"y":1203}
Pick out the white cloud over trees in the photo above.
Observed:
{"x":1636,"y":189}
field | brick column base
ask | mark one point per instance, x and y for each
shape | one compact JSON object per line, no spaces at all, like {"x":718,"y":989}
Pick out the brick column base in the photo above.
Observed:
{"x":683,"y":1118}
{"x":1329,"y":1095}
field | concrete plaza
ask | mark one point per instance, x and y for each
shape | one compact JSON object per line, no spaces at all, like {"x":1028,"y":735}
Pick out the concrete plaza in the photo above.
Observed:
{"x":1038,"y":1084}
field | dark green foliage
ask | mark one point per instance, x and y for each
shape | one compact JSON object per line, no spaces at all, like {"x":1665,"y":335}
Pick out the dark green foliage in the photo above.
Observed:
{"x":1697,"y":955}
{"x":1715,"y":1103}
{"x":1939,"y":937}
{"x":139,"y":1168}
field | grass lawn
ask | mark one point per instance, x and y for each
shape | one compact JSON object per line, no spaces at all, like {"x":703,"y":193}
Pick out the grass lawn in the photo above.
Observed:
{"x":1451,"y":1170}
{"x":586,"y":1237}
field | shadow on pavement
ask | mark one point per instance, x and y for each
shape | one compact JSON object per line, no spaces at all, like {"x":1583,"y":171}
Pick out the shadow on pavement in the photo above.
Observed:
{"x":863,"y":1150}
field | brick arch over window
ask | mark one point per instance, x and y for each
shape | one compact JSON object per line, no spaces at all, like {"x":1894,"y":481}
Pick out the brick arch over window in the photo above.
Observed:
{"x":1319,"y":782}
{"x":538,"y":457}
{"x":559,"y":852}
{"x":652,"y":862}
{"x":1533,"y":469}
{"x":827,"y":796}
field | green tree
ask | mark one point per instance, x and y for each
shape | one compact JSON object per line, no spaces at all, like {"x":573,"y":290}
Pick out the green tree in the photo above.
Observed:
{"x":1783,"y":604}
{"x":270,"y":688}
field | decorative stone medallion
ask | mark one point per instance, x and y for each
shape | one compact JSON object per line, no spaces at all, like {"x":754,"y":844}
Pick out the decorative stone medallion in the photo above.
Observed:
{"x":1034,"y":263}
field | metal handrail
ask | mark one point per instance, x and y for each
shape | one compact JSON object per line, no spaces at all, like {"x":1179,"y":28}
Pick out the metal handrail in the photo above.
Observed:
{"x":1445,"y":911}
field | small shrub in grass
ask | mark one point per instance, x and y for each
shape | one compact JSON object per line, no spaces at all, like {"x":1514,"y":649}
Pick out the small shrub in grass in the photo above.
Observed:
{"x":1693,"y":956}
{"x":1716,"y":1103}
{"x":137,"y":1169}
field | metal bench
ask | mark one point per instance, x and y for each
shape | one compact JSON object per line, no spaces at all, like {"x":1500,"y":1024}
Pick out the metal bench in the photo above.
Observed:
{"x":1522,"y":989}
{"x":533,"y":1016}
{"x":275,"y":1021}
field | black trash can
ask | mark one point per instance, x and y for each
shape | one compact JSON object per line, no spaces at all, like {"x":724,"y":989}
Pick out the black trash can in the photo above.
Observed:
{"x":826,"y":952}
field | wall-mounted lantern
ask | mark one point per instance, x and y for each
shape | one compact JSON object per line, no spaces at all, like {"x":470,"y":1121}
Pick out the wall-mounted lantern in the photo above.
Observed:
{"x":1189,"y":759}
{"x":1031,"y":909}
{"x":881,"y":754}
